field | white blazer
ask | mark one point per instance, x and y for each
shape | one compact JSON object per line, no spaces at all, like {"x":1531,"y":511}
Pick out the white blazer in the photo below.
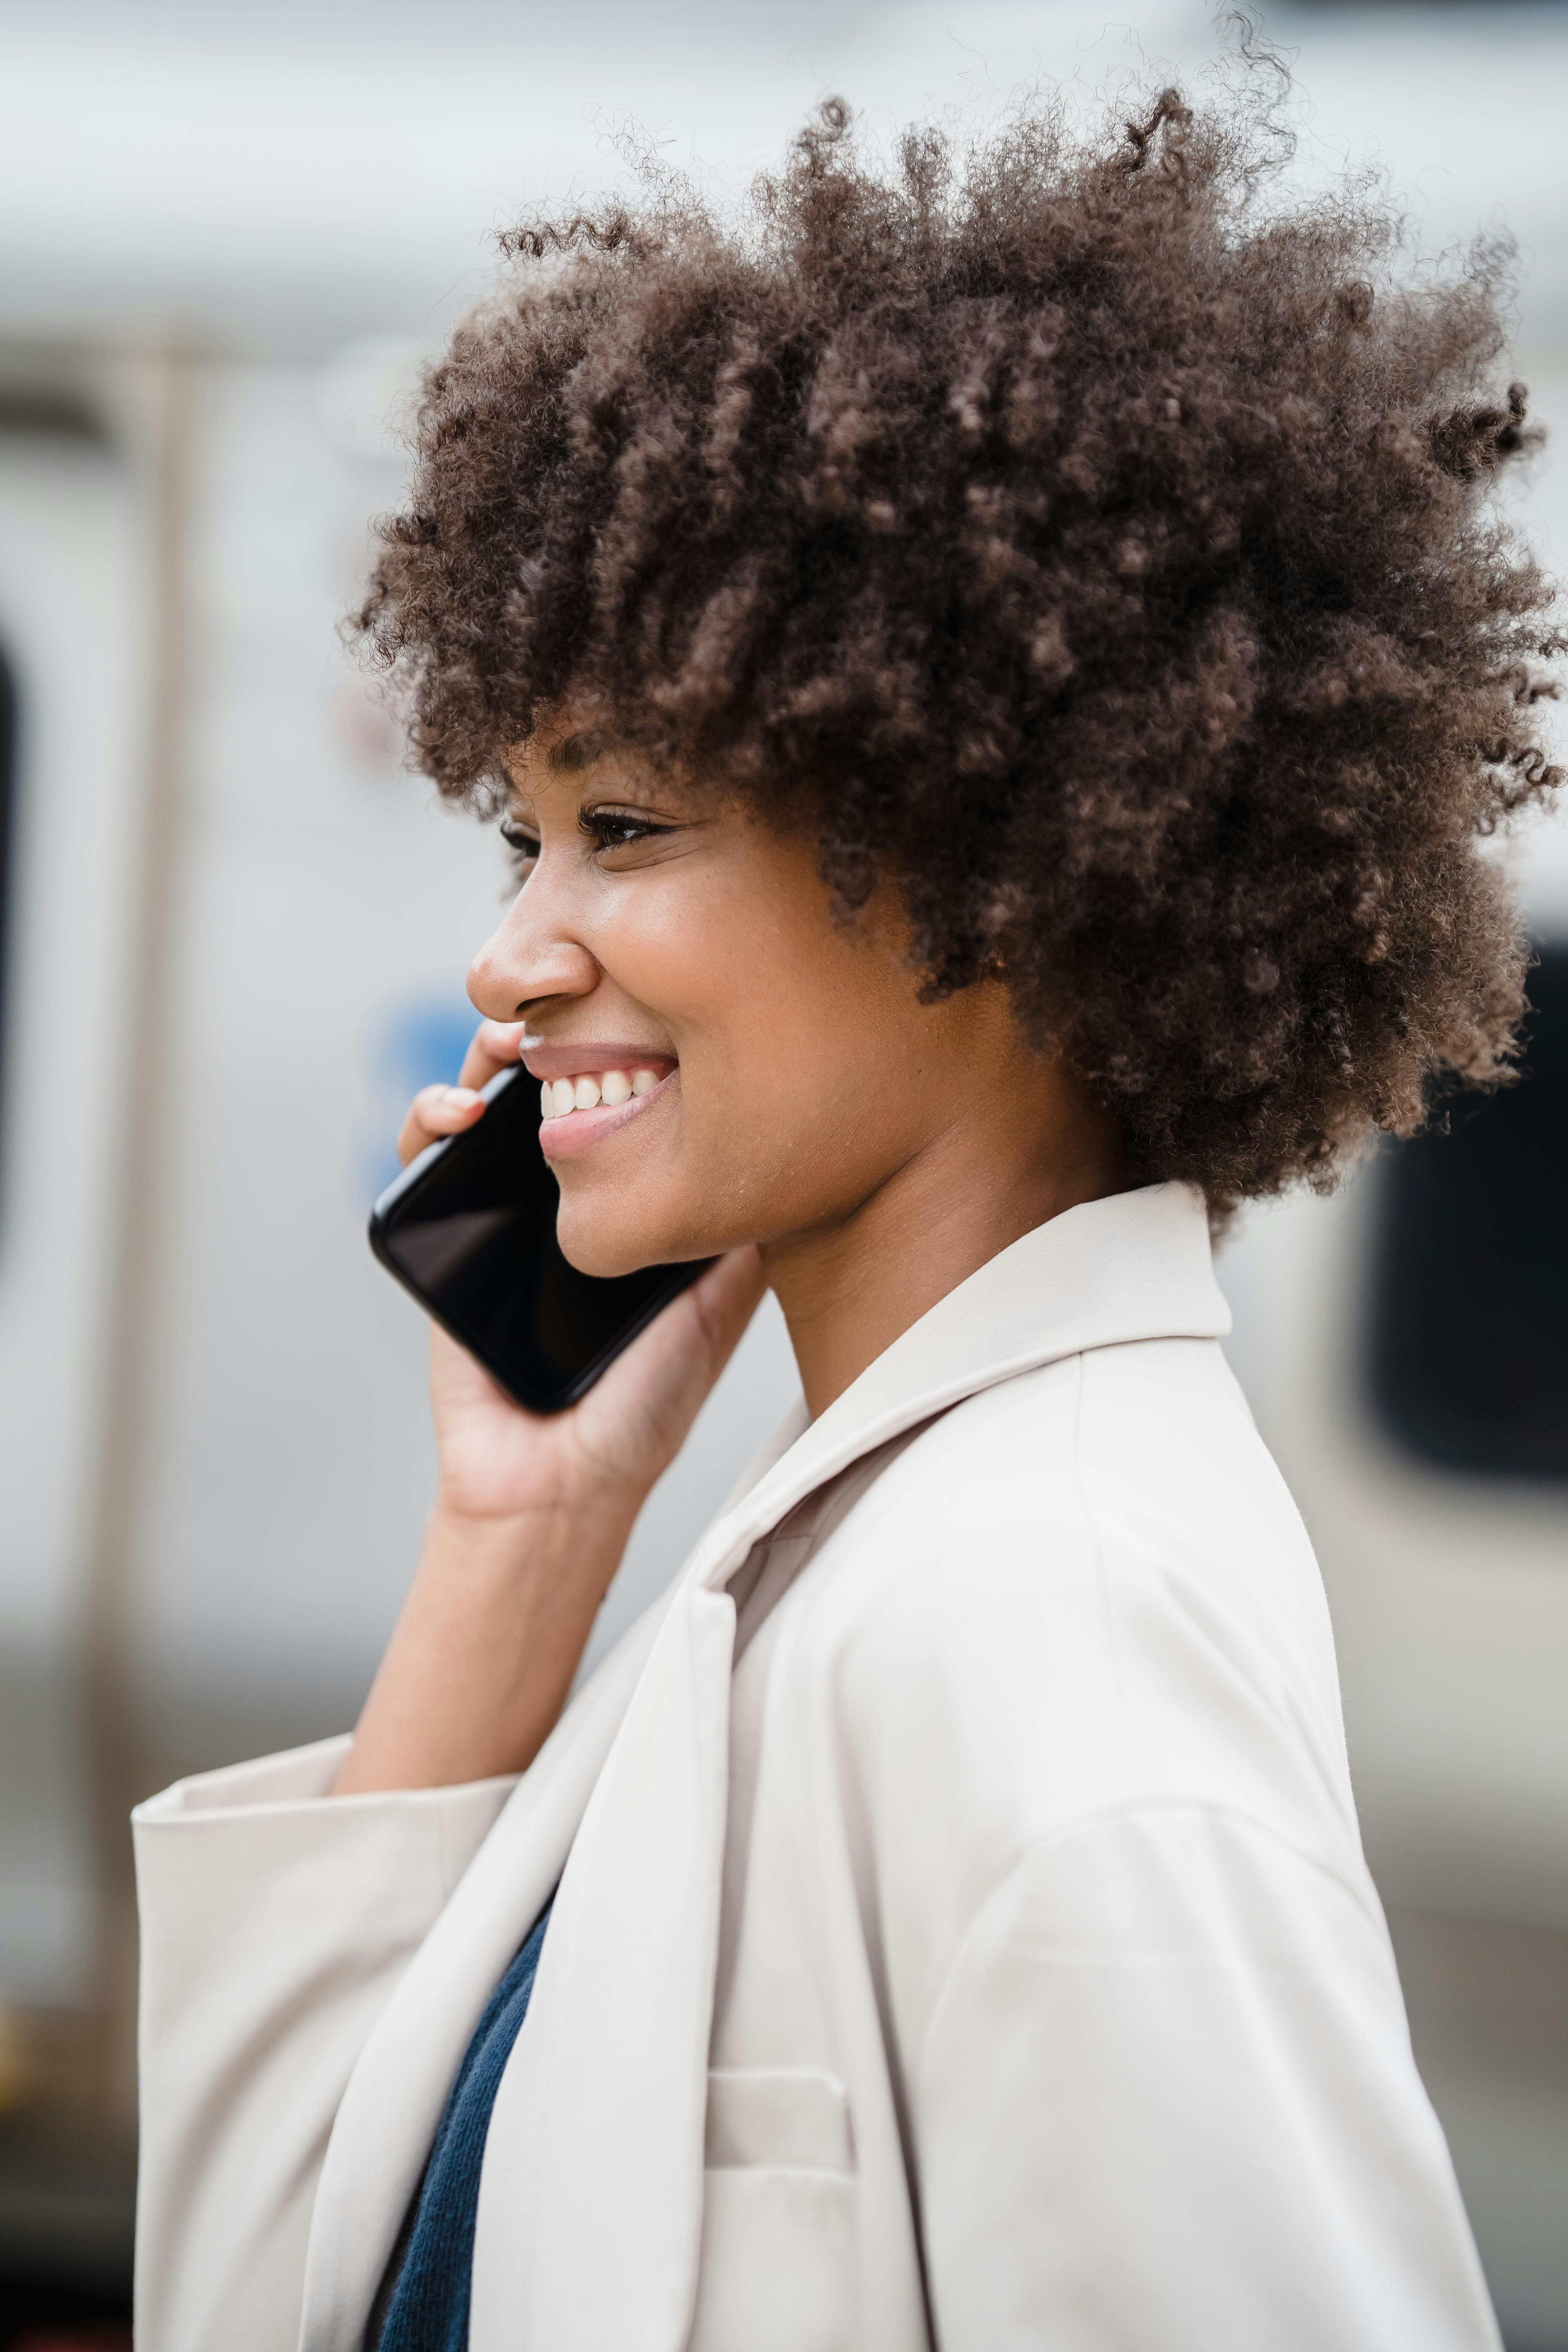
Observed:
{"x":1056,"y":2008}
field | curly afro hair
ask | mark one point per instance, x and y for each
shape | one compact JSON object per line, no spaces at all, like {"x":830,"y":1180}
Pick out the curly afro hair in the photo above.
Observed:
{"x":1071,"y":530}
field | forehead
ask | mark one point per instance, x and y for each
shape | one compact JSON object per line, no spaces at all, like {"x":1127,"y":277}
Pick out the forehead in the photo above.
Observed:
{"x":572,"y":751}
{"x":559,"y":750}
{"x":556,"y":761}
{"x":552,"y":763}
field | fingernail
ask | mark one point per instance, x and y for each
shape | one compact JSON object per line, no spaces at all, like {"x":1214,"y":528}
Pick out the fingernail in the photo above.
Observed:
{"x":461,"y":1097}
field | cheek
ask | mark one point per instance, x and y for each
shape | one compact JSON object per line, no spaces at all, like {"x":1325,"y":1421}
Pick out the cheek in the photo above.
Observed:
{"x":724,"y":970}
{"x":800,"y":1084}
{"x":799,"y":1065}
{"x":664,"y":949}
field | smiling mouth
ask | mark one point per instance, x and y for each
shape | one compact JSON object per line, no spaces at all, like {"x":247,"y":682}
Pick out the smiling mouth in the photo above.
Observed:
{"x":590,"y":1092}
{"x":559,"y":1098}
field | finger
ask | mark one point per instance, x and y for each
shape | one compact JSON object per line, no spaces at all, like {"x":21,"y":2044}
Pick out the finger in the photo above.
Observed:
{"x":434,"y":1112}
{"x":724,"y":1301}
{"x":652,"y":1393}
{"x":459,"y":1380}
{"x":494,"y":1046}
{"x":697,"y":1332}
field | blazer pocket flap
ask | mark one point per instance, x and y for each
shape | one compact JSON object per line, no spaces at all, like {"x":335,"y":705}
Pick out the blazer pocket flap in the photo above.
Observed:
{"x":793,"y":2119}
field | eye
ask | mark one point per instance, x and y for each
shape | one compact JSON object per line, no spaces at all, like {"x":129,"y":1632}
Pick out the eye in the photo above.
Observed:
{"x":612,"y":828}
{"x":522,"y":845}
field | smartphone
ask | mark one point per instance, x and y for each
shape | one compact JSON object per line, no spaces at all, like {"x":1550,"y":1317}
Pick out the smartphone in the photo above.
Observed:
{"x":469,"y":1228}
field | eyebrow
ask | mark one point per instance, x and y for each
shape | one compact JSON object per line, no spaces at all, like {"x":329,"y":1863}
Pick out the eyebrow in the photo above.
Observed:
{"x":571,"y":755}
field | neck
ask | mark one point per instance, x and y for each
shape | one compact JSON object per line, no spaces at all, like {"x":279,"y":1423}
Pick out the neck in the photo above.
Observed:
{"x":848,"y":1289}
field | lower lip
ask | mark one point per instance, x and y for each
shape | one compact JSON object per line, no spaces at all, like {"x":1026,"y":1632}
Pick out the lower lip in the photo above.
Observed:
{"x":579,"y":1131}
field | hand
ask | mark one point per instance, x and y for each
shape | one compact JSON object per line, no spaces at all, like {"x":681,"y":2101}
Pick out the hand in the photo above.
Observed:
{"x":532,"y":1512}
{"x":603,"y":1455}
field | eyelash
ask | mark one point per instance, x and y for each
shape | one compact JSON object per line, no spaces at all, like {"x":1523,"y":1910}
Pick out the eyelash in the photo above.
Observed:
{"x":523,"y":847}
{"x":606,"y":828}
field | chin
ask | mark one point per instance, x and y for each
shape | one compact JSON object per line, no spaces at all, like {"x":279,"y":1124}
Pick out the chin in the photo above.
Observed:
{"x":599,"y":1240}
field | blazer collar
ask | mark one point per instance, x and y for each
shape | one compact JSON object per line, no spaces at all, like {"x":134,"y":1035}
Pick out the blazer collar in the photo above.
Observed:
{"x":1137,"y":1266}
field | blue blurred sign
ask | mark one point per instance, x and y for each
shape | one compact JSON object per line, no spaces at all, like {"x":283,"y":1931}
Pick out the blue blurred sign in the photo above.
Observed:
{"x":419,"y":1043}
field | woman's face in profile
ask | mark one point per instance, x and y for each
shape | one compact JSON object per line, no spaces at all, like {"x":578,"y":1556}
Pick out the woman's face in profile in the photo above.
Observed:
{"x":742,"y":1065}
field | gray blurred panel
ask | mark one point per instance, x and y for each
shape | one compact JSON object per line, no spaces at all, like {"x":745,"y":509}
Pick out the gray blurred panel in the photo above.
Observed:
{"x":74,"y":644}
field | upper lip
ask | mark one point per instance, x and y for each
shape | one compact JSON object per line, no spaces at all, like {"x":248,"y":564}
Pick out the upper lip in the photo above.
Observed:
{"x":589,"y":1060}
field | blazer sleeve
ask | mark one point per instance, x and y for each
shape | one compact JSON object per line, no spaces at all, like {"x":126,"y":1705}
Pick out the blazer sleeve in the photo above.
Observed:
{"x":1166,"y":2101}
{"x":275,"y":1922}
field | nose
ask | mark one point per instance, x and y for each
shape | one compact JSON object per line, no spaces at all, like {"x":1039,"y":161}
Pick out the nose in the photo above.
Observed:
{"x":532,"y":958}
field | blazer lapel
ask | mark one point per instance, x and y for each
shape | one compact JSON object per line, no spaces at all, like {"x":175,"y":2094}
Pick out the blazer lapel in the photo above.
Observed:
{"x":393,"y":2099}
{"x":591,"y":2202}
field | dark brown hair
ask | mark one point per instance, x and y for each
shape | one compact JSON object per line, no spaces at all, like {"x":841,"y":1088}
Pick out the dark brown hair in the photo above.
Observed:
{"x":1071,"y":530}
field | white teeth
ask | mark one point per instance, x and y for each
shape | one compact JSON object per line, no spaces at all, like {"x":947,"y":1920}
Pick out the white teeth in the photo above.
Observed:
{"x":558,"y":1096}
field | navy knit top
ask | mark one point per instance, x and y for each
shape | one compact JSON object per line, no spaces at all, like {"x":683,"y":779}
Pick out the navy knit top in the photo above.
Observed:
{"x":424,"y":2304}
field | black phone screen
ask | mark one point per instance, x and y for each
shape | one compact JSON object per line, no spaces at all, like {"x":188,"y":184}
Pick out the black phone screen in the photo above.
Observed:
{"x":469,"y":1228}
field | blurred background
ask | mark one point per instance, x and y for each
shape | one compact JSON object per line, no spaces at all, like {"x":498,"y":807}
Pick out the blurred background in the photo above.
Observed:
{"x":233,"y":936}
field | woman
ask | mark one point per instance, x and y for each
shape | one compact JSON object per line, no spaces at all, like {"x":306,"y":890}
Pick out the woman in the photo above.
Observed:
{"x":995,"y":679}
